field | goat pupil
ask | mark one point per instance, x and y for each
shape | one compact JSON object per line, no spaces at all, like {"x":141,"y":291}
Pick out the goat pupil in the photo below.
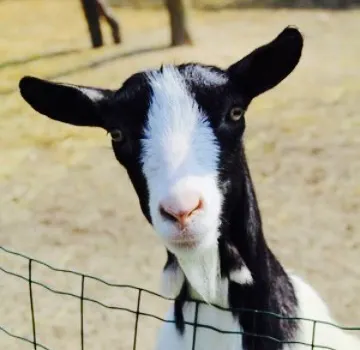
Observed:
{"x":236,"y":113}
{"x":116,"y":135}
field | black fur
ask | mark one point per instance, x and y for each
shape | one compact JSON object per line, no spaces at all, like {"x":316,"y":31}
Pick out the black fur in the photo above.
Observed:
{"x":216,"y":91}
{"x":271,"y":290}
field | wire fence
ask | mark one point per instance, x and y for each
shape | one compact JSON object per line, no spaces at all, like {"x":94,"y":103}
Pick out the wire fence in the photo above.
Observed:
{"x":83,"y":278}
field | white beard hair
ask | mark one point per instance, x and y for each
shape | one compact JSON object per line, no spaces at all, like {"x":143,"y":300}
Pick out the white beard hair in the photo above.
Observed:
{"x":172,"y":280}
{"x":202,"y":270}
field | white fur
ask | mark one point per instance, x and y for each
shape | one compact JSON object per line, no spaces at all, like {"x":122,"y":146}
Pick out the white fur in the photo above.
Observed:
{"x":172,"y":280}
{"x":94,"y":95}
{"x":202,"y":270}
{"x":213,"y":291}
{"x":206,"y":339}
{"x":311,"y":306}
{"x":241,"y":276}
{"x":180,"y":154}
{"x":205,"y":76}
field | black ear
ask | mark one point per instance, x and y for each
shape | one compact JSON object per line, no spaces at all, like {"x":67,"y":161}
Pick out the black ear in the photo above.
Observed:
{"x":269,"y":64}
{"x":72,"y":104}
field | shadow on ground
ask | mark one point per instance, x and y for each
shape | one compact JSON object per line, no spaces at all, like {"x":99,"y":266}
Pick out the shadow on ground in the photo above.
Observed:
{"x":84,"y":67}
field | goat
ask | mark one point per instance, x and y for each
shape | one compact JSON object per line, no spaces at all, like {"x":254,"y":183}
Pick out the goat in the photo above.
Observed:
{"x":178,"y":132}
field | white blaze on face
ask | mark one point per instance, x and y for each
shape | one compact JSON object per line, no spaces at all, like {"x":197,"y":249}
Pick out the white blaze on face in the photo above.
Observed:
{"x":180,"y":154}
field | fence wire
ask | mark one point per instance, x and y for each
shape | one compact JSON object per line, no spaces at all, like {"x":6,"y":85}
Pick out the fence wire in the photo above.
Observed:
{"x":137,"y":312}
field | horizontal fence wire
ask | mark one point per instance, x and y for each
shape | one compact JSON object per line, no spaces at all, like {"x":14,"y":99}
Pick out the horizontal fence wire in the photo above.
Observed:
{"x":140,"y":292}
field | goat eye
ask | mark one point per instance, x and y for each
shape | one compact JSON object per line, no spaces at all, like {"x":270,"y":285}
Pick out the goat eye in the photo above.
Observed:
{"x":116,"y":135}
{"x":236,"y":113}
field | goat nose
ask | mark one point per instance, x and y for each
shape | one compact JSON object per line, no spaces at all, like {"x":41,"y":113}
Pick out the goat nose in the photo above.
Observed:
{"x":180,"y":207}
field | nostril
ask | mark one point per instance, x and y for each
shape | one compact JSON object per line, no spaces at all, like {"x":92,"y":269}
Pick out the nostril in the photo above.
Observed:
{"x":167,"y":215}
{"x":198,"y":207}
{"x":180,"y":210}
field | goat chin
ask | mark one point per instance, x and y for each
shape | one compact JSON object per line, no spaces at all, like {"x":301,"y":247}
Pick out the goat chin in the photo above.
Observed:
{"x":310,"y":306}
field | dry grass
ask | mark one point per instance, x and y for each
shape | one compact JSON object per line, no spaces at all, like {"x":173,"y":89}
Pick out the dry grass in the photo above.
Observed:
{"x":66,"y":201}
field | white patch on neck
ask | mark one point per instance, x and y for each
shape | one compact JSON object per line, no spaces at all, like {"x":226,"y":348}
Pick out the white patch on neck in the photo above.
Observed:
{"x":241,"y":276}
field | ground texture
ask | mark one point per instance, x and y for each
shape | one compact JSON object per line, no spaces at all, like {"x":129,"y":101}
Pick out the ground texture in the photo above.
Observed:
{"x":66,"y":201}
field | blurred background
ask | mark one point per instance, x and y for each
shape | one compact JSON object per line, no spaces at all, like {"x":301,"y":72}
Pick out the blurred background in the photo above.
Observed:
{"x":66,"y":201}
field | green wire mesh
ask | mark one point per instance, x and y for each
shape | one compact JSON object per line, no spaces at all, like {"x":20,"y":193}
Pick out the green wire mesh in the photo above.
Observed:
{"x":137,"y":312}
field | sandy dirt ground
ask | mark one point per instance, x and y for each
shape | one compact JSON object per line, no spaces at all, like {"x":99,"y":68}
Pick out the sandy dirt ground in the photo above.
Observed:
{"x":65,"y":200}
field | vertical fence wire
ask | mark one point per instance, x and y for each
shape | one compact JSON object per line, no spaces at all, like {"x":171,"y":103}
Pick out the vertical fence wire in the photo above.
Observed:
{"x":137,"y":319}
{"x":32,"y":305}
{"x":255,"y":316}
{"x":82,"y":311}
{"x":195,"y":324}
{"x":313,"y":336}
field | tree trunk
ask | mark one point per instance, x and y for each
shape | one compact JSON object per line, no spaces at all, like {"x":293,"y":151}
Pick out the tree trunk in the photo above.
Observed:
{"x":178,"y":12}
{"x":92,"y":18}
{"x":107,"y":13}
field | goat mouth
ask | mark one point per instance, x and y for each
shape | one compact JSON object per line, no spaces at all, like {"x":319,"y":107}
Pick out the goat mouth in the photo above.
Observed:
{"x":184,"y":243}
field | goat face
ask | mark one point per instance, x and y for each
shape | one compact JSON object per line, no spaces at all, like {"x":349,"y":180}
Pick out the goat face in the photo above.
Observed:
{"x":177,"y":131}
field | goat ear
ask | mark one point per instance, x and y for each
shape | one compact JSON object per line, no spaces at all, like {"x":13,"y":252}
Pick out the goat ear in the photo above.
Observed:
{"x":268,"y":65}
{"x":72,"y":104}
